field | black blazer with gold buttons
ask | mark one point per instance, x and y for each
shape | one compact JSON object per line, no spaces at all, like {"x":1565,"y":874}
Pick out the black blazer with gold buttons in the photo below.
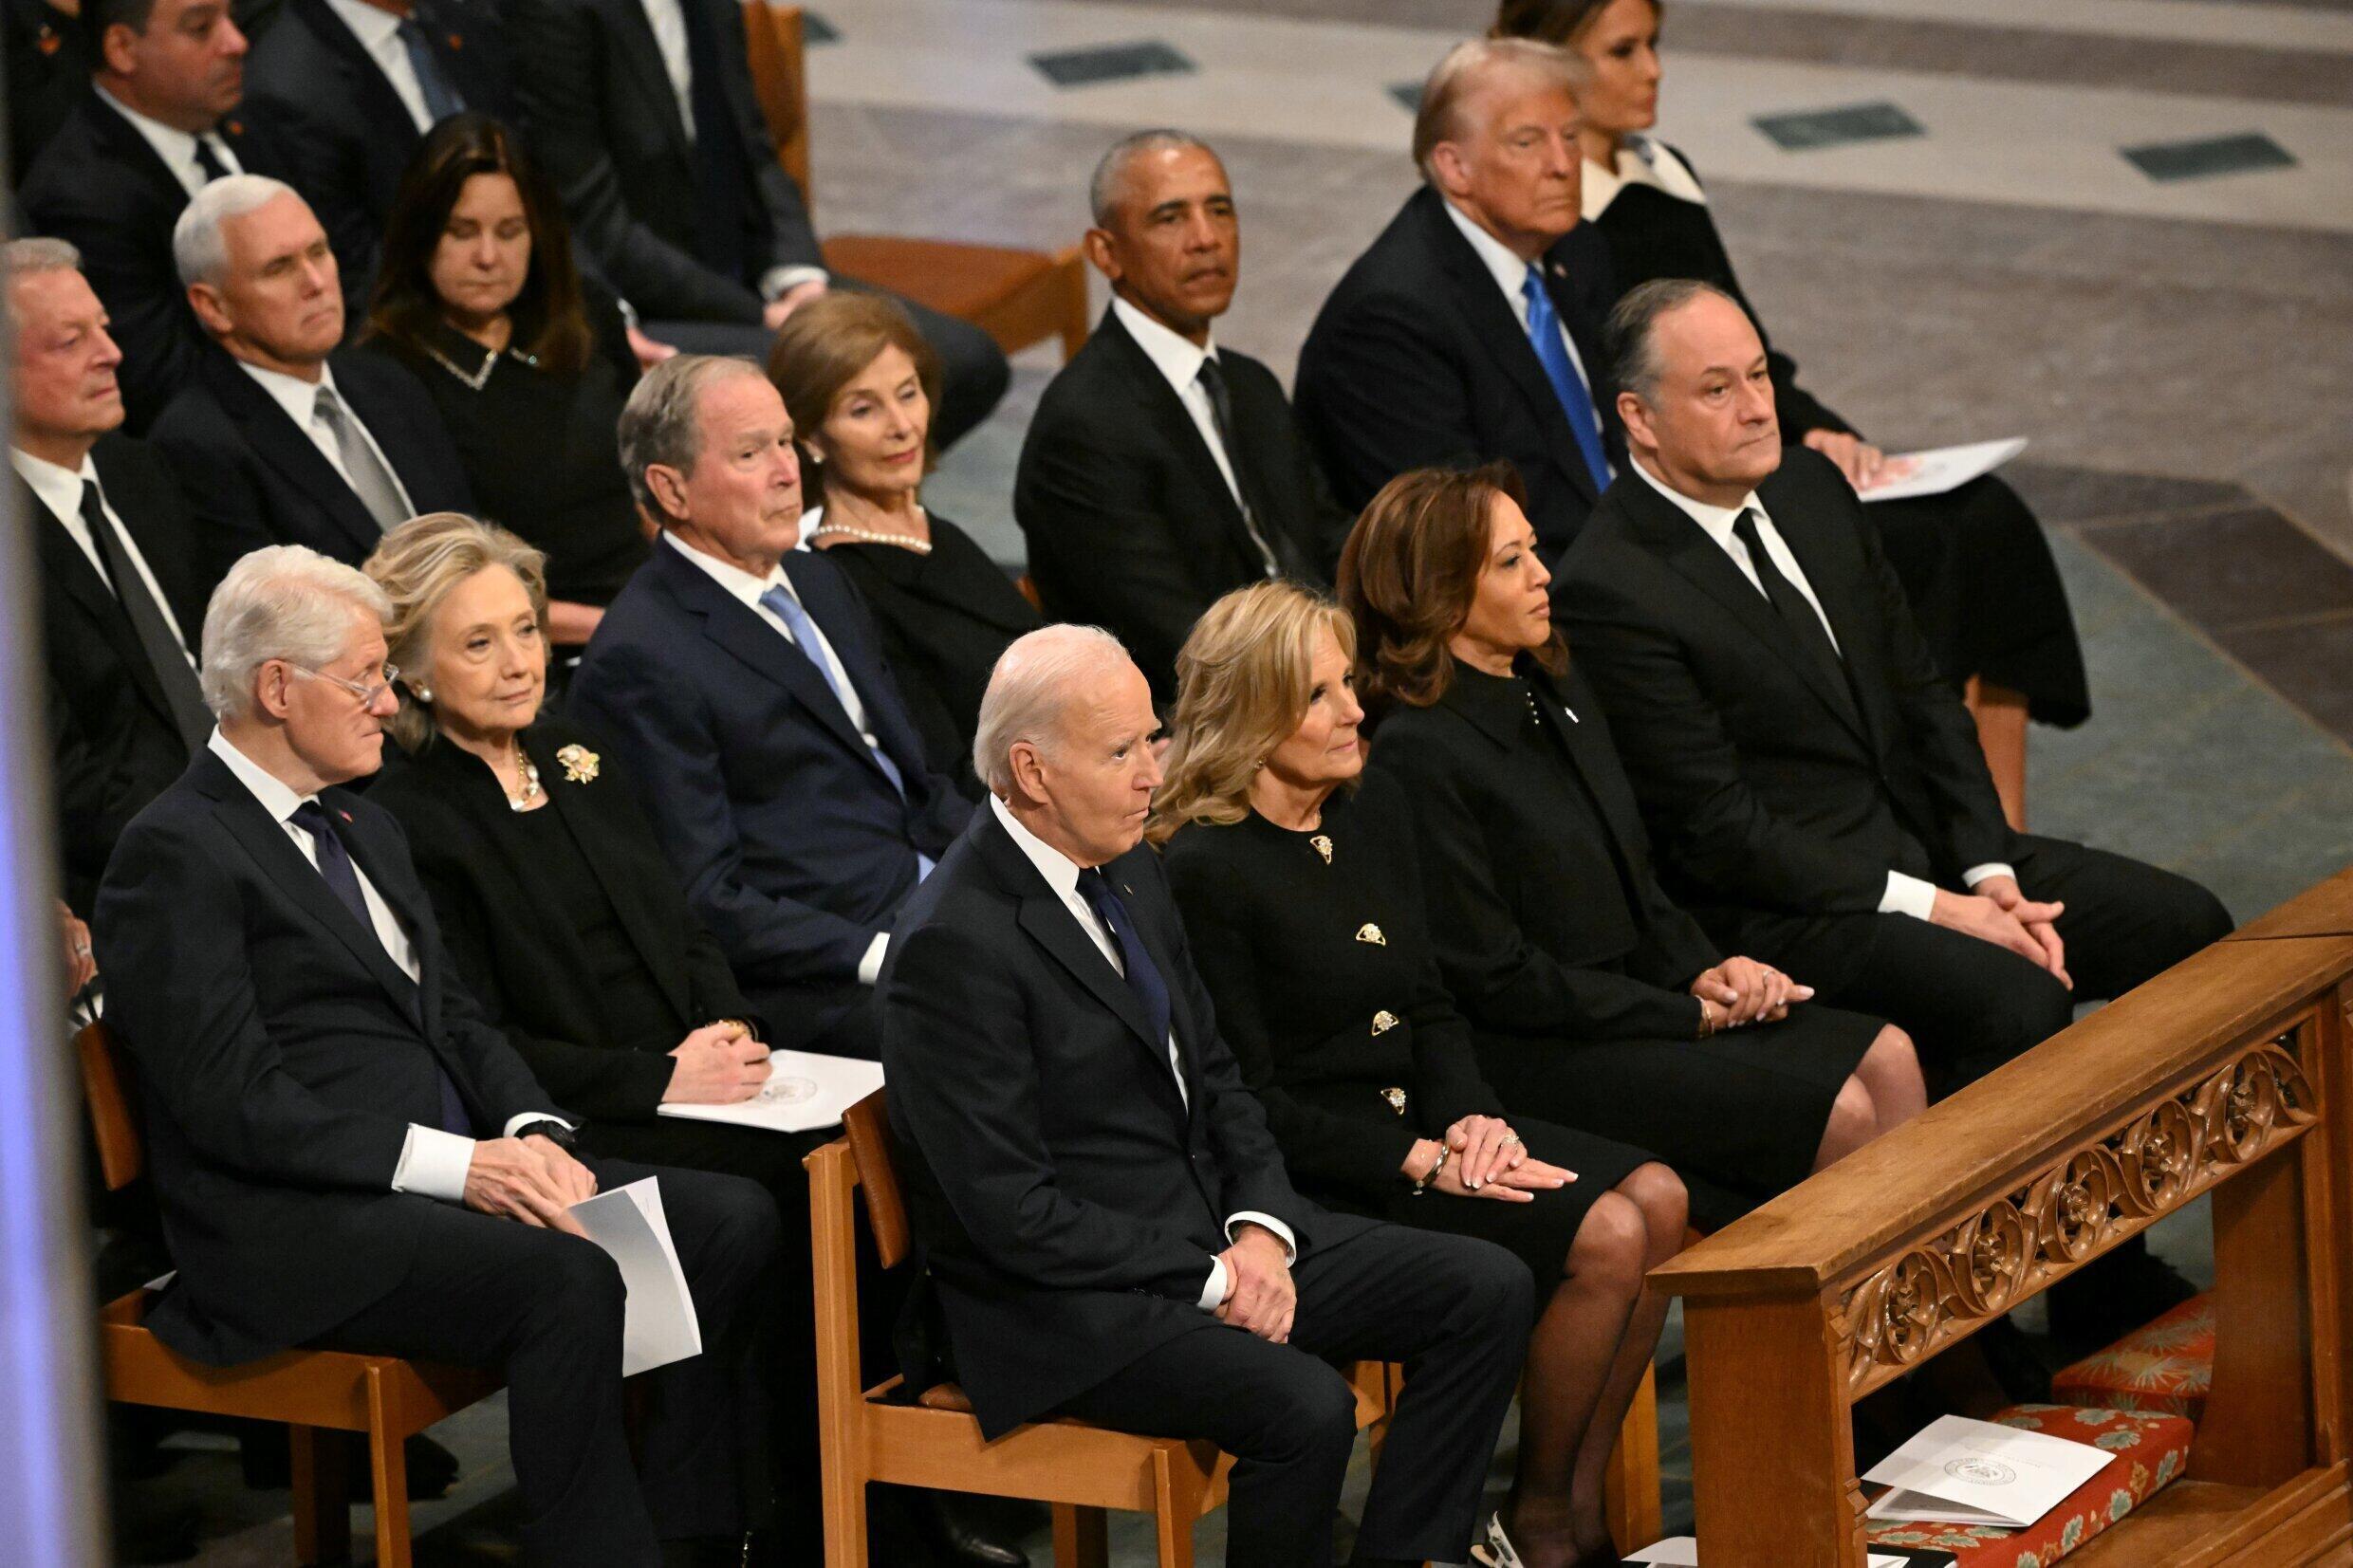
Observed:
{"x":1316,"y":949}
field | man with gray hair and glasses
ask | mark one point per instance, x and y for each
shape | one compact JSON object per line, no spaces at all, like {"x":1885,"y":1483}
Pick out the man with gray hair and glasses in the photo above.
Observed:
{"x":346,"y":1154}
{"x":277,"y":437}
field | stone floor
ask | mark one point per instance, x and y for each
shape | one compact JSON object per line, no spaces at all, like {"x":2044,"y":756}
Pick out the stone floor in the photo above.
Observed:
{"x":2181,"y":355}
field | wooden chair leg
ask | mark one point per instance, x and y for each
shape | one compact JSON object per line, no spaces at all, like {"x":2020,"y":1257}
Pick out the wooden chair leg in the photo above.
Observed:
{"x":388,"y":1461}
{"x":1177,"y":1505}
{"x":321,"y":1478}
{"x":1081,"y":1536}
{"x":1630,"y":1486}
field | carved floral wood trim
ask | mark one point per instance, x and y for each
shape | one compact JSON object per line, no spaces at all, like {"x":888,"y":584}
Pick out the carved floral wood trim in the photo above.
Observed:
{"x":2077,"y":1208}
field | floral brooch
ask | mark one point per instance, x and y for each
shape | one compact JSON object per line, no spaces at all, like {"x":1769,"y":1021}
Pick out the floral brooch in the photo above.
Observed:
{"x":579,"y":765}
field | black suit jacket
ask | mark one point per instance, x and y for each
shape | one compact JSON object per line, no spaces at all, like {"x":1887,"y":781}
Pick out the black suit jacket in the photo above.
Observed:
{"x":607,"y":129}
{"x":794,"y":848}
{"x":1070,"y":1200}
{"x":252,"y":477}
{"x":48,"y":68}
{"x":522,"y":961}
{"x":281,"y":1057}
{"x":1417,"y":360}
{"x":98,"y":184}
{"x":349,"y":133}
{"x":1768,"y":788}
{"x":1130,"y":522}
{"x":114,"y":745}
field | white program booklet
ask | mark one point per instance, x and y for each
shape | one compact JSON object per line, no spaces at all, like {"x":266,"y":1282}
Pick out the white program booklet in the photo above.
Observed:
{"x":803,"y":1090}
{"x":1683,"y":1552}
{"x":1940,"y":469}
{"x":660,"y":1326}
{"x":1960,"y":1471}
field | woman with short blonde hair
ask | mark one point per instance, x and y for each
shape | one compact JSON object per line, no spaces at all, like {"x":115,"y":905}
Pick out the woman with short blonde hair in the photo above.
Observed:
{"x":417,"y":565}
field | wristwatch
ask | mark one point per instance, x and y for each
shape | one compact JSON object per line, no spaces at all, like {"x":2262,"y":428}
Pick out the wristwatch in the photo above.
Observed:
{"x":553,"y":1130}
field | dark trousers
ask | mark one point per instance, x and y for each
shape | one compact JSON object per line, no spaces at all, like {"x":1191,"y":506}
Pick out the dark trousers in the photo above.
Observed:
{"x":1969,"y":1005}
{"x":1455,"y":1311}
{"x":974,"y":375}
{"x":545,"y":1310}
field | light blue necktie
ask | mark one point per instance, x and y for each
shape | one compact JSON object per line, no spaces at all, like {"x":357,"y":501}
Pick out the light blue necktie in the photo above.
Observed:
{"x":796,"y":618}
{"x":1543,"y":331}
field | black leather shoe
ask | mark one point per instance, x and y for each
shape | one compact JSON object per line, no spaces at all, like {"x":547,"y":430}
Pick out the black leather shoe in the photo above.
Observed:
{"x":261,"y":1453}
{"x":147,"y":1531}
{"x":2099,"y":1306}
{"x":961,"y":1531}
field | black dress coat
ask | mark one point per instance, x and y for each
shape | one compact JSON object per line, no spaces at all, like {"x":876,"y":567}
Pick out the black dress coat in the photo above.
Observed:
{"x":101,"y":185}
{"x":48,"y":68}
{"x":1417,"y":360}
{"x":1130,"y":524}
{"x":1974,"y":562}
{"x":114,"y":745}
{"x":1573,"y":965}
{"x":943,"y":618}
{"x":252,"y":478}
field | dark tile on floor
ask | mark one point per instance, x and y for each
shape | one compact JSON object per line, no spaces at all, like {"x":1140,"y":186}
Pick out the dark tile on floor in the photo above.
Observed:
{"x":2311,"y":664}
{"x":2060,"y":492}
{"x":1408,"y":94}
{"x":2229,"y":568}
{"x":1813,"y":128}
{"x":1110,"y":62}
{"x":816,"y":29}
{"x":2209,"y":155}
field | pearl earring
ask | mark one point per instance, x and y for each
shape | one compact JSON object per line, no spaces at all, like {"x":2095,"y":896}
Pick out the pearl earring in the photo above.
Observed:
{"x":424,"y":694}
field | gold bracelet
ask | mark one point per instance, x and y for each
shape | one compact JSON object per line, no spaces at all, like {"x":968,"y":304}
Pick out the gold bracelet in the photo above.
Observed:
{"x":1445,"y":1153}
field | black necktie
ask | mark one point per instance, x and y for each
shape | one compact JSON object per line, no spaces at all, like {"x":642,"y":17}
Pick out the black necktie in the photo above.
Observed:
{"x":722,"y":175}
{"x":209,"y":160}
{"x":1213,"y":379}
{"x":335,"y":867}
{"x":441,"y":97}
{"x":1144,"y":975}
{"x":1805,"y":622}
{"x":165,"y":654}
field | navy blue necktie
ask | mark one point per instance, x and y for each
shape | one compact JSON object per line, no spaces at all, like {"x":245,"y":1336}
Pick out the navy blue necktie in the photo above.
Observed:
{"x":1544,"y":334}
{"x":1144,"y":975}
{"x":343,"y":878}
{"x":441,"y":96}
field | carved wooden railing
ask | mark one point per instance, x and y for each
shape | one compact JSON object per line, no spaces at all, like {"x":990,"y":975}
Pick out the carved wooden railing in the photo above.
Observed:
{"x":2227,"y":1077}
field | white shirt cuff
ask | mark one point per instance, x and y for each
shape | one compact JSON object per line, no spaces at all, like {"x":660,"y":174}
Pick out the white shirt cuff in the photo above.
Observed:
{"x":433,"y":1164}
{"x":1975,"y":874}
{"x":1214,"y":1293}
{"x":777,"y":281}
{"x":1908,"y":896}
{"x":870,"y":967}
{"x":1282,"y":1231}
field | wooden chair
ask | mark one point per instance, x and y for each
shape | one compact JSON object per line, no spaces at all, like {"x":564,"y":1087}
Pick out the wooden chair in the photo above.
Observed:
{"x":1017,"y":297}
{"x":1081,"y":1470}
{"x":317,"y":1393}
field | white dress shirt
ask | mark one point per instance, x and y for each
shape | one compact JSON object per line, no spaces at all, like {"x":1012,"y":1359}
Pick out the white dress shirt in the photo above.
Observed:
{"x":433,"y":1162}
{"x":1062,"y":874}
{"x":174,"y":146}
{"x":1178,"y":360}
{"x":378,"y":32}
{"x":300,"y":399}
{"x":1640,"y":161}
{"x":60,"y":490}
{"x":1904,"y":894}
{"x":747,"y":588}
{"x":1510,"y":274}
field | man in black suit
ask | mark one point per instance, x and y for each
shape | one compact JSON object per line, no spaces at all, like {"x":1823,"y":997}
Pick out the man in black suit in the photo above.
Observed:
{"x":49,"y":70}
{"x":351,"y":88}
{"x":278,"y":438}
{"x":1471,"y":330}
{"x":644,"y":115}
{"x":123,"y":581}
{"x":1107,"y":1221}
{"x":156,"y":123}
{"x":342,"y":1145}
{"x":777,"y":763}
{"x":1163,"y":470}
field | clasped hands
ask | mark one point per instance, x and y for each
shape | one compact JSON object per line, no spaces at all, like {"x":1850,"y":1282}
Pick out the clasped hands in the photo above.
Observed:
{"x":530,"y":1179}
{"x":1741,"y":991}
{"x":718,"y":1064}
{"x":1998,"y":912}
{"x":1484,"y":1158}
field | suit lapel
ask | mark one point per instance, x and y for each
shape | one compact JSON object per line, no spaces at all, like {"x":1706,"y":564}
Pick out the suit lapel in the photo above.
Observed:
{"x":642,"y":55}
{"x":125,"y":146}
{"x":832,"y":600}
{"x":744,"y":633}
{"x":275,"y":439}
{"x":1164,"y":409}
{"x":362,"y":79}
{"x":1833,"y":588}
{"x":63,"y":563}
{"x":662,"y":959}
{"x":397,"y":887}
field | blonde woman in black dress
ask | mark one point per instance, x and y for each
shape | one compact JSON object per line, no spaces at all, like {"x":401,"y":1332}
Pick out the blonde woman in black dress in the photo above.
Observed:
{"x":1303,"y":904}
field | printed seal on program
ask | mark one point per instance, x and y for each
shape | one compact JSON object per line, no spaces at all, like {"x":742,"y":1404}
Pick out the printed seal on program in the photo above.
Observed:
{"x":1983,"y":1472}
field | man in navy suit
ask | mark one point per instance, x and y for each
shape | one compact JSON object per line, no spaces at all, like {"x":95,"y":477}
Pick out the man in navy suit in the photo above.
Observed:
{"x":346,"y":1154}
{"x":779,"y":767}
{"x":277,"y":438}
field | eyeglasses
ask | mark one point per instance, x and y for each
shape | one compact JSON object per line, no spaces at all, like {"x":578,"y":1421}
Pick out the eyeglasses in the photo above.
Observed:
{"x":366,"y":693}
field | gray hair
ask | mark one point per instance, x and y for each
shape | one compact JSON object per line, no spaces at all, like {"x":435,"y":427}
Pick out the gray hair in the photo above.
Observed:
{"x":1027,"y":691}
{"x":23,"y":258}
{"x":1454,"y":79}
{"x":1632,"y":332}
{"x":198,"y":250}
{"x":286,"y":601}
{"x":658,"y":423}
{"x":1102,"y":187}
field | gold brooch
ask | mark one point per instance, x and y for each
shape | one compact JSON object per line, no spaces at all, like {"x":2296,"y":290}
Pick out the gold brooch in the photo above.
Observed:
{"x":579,"y":765}
{"x":1396,"y":1098}
{"x":1370,"y":933}
{"x":1383,"y":1022}
{"x":1322,"y":846}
